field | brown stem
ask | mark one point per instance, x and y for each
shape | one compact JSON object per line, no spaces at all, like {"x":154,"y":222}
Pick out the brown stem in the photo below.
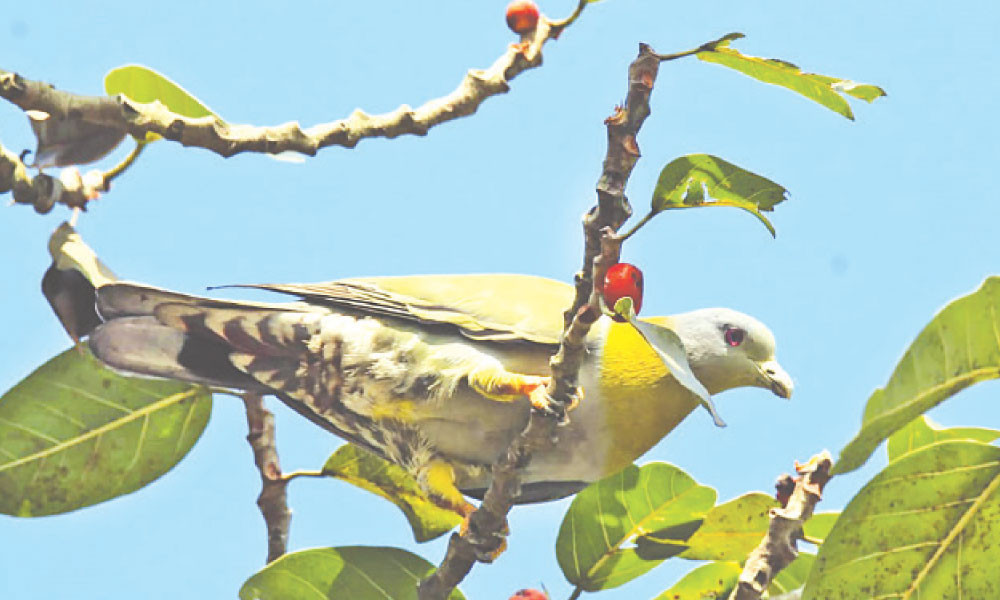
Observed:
{"x":602,"y":247}
{"x":777,"y":550}
{"x":273,"y":501}
{"x":42,"y":191}
{"x":225,"y":139}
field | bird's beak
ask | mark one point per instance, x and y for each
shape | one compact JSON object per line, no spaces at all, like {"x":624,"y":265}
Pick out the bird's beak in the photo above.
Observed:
{"x":777,"y":379}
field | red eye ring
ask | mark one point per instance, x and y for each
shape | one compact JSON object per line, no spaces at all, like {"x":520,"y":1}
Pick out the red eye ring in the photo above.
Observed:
{"x":734,"y":336}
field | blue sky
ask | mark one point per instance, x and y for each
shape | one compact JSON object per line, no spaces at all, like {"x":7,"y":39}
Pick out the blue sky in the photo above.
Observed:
{"x":889,"y":218}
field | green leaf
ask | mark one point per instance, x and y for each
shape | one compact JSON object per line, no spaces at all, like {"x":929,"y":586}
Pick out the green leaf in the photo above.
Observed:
{"x":666,"y":543}
{"x":703,"y":180}
{"x":341,"y":573}
{"x":793,"y":576}
{"x":74,"y":434}
{"x":369,"y":472}
{"x":670,"y":350}
{"x":927,"y":526}
{"x":732,"y":530}
{"x":819,"y":526}
{"x":145,"y":85}
{"x":594,"y":547}
{"x":714,"y":580}
{"x":959,"y":347}
{"x":819,"y":88}
{"x":922,"y":432}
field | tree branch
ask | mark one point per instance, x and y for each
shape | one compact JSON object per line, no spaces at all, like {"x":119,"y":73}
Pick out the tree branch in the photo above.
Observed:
{"x":273,"y":500}
{"x":44,"y":191}
{"x":487,"y":525}
{"x":777,"y":550}
{"x":225,"y":139}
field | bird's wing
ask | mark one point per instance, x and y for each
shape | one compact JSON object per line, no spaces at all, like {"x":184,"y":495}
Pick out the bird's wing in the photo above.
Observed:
{"x":483,"y":307}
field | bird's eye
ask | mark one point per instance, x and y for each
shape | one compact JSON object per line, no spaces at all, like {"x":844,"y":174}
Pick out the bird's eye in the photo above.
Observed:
{"x":734,"y":336}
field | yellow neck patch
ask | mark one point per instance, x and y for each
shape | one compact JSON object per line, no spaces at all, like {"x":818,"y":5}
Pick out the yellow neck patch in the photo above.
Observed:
{"x":642,"y":402}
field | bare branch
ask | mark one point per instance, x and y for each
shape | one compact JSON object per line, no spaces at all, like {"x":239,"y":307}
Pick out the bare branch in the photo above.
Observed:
{"x":777,"y":550}
{"x":487,"y":525}
{"x":225,"y":139}
{"x":44,"y":191}
{"x":273,"y":501}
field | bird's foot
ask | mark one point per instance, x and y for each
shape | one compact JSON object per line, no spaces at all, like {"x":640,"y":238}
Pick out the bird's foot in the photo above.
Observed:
{"x":542,"y":402}
{"x":486,"y":533}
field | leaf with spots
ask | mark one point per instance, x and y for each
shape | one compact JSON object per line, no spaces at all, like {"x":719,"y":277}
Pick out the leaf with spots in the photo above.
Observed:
{"x":390,"y":481}
{"x":74,"y":434}
{"x":959,"y":347}
{"x":922,"y":432}
{"x":927,"y":526}
{"x":792,"y":577}
{"x":344,"y":572}
{"x":732,"y":529}
{"x":596,"y":547}
{"x":714,"y":580}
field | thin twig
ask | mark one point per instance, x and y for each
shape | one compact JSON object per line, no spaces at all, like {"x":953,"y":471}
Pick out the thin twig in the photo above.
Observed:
{"x":602,"y":246}
{"x":778,"y":548}
{"x":225,"y":139}
{"x":273,"y":500}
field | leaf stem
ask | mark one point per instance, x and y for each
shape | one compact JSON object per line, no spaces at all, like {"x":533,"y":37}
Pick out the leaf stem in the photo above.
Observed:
{"x":563,"y":23}
{"x":123,"y":165}
{"x":576,"y":593}
{"x":637,"y":226}
{"x":706,"y":47}
{"x":301,"y":473}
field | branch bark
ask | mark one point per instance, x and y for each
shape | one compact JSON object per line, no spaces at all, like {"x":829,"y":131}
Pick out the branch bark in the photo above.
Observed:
{"x":602,"y":247}
{"x":44,"y":191}
{"x":225,"y":139}
{"x":778,"y":548}
{"x":273,"y":499}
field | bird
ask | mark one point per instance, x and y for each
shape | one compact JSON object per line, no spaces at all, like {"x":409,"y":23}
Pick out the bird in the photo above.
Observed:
{"x":438,"y":373}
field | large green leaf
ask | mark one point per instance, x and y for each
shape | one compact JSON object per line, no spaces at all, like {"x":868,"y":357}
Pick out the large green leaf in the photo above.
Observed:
{"x":732,"y":529}
{"x":74,"y":434}
{"x":922,"y":432}
{"x":820,"y":525}
{"x":595,"y":544}
{"x":793,"y":576}
{"x":819,"y":88}
{"x":341,"y":573}
{"x":927,"y":526}
{"x":392,"y":482}
{"x":959,"y":347}
{"x":703,"y":180}
{"x":145,"y":85}
{"x":714,"y":580}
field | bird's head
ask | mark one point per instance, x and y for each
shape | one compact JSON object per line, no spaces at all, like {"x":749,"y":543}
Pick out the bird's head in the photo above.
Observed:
{"x":728,"y":349}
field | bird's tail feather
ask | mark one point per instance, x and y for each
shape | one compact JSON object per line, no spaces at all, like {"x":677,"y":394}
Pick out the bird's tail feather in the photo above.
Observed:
{"x":158,"y":333}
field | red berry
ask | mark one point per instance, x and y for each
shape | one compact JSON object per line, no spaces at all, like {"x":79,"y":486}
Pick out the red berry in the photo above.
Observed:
{"x":522,"y":16}
{"x":529,"y":595}
{"x":623,"y":280}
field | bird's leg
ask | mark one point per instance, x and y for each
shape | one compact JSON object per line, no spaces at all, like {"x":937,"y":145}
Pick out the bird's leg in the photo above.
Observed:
{"x":497,"y":383}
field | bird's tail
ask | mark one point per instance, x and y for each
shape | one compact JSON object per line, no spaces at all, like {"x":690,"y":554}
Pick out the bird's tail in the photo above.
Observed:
{"x":158,"y":333}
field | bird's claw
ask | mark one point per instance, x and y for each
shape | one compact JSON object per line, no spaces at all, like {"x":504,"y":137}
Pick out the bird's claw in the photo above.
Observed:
{"x":548,"y":406}
{"x":487,"y":545}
